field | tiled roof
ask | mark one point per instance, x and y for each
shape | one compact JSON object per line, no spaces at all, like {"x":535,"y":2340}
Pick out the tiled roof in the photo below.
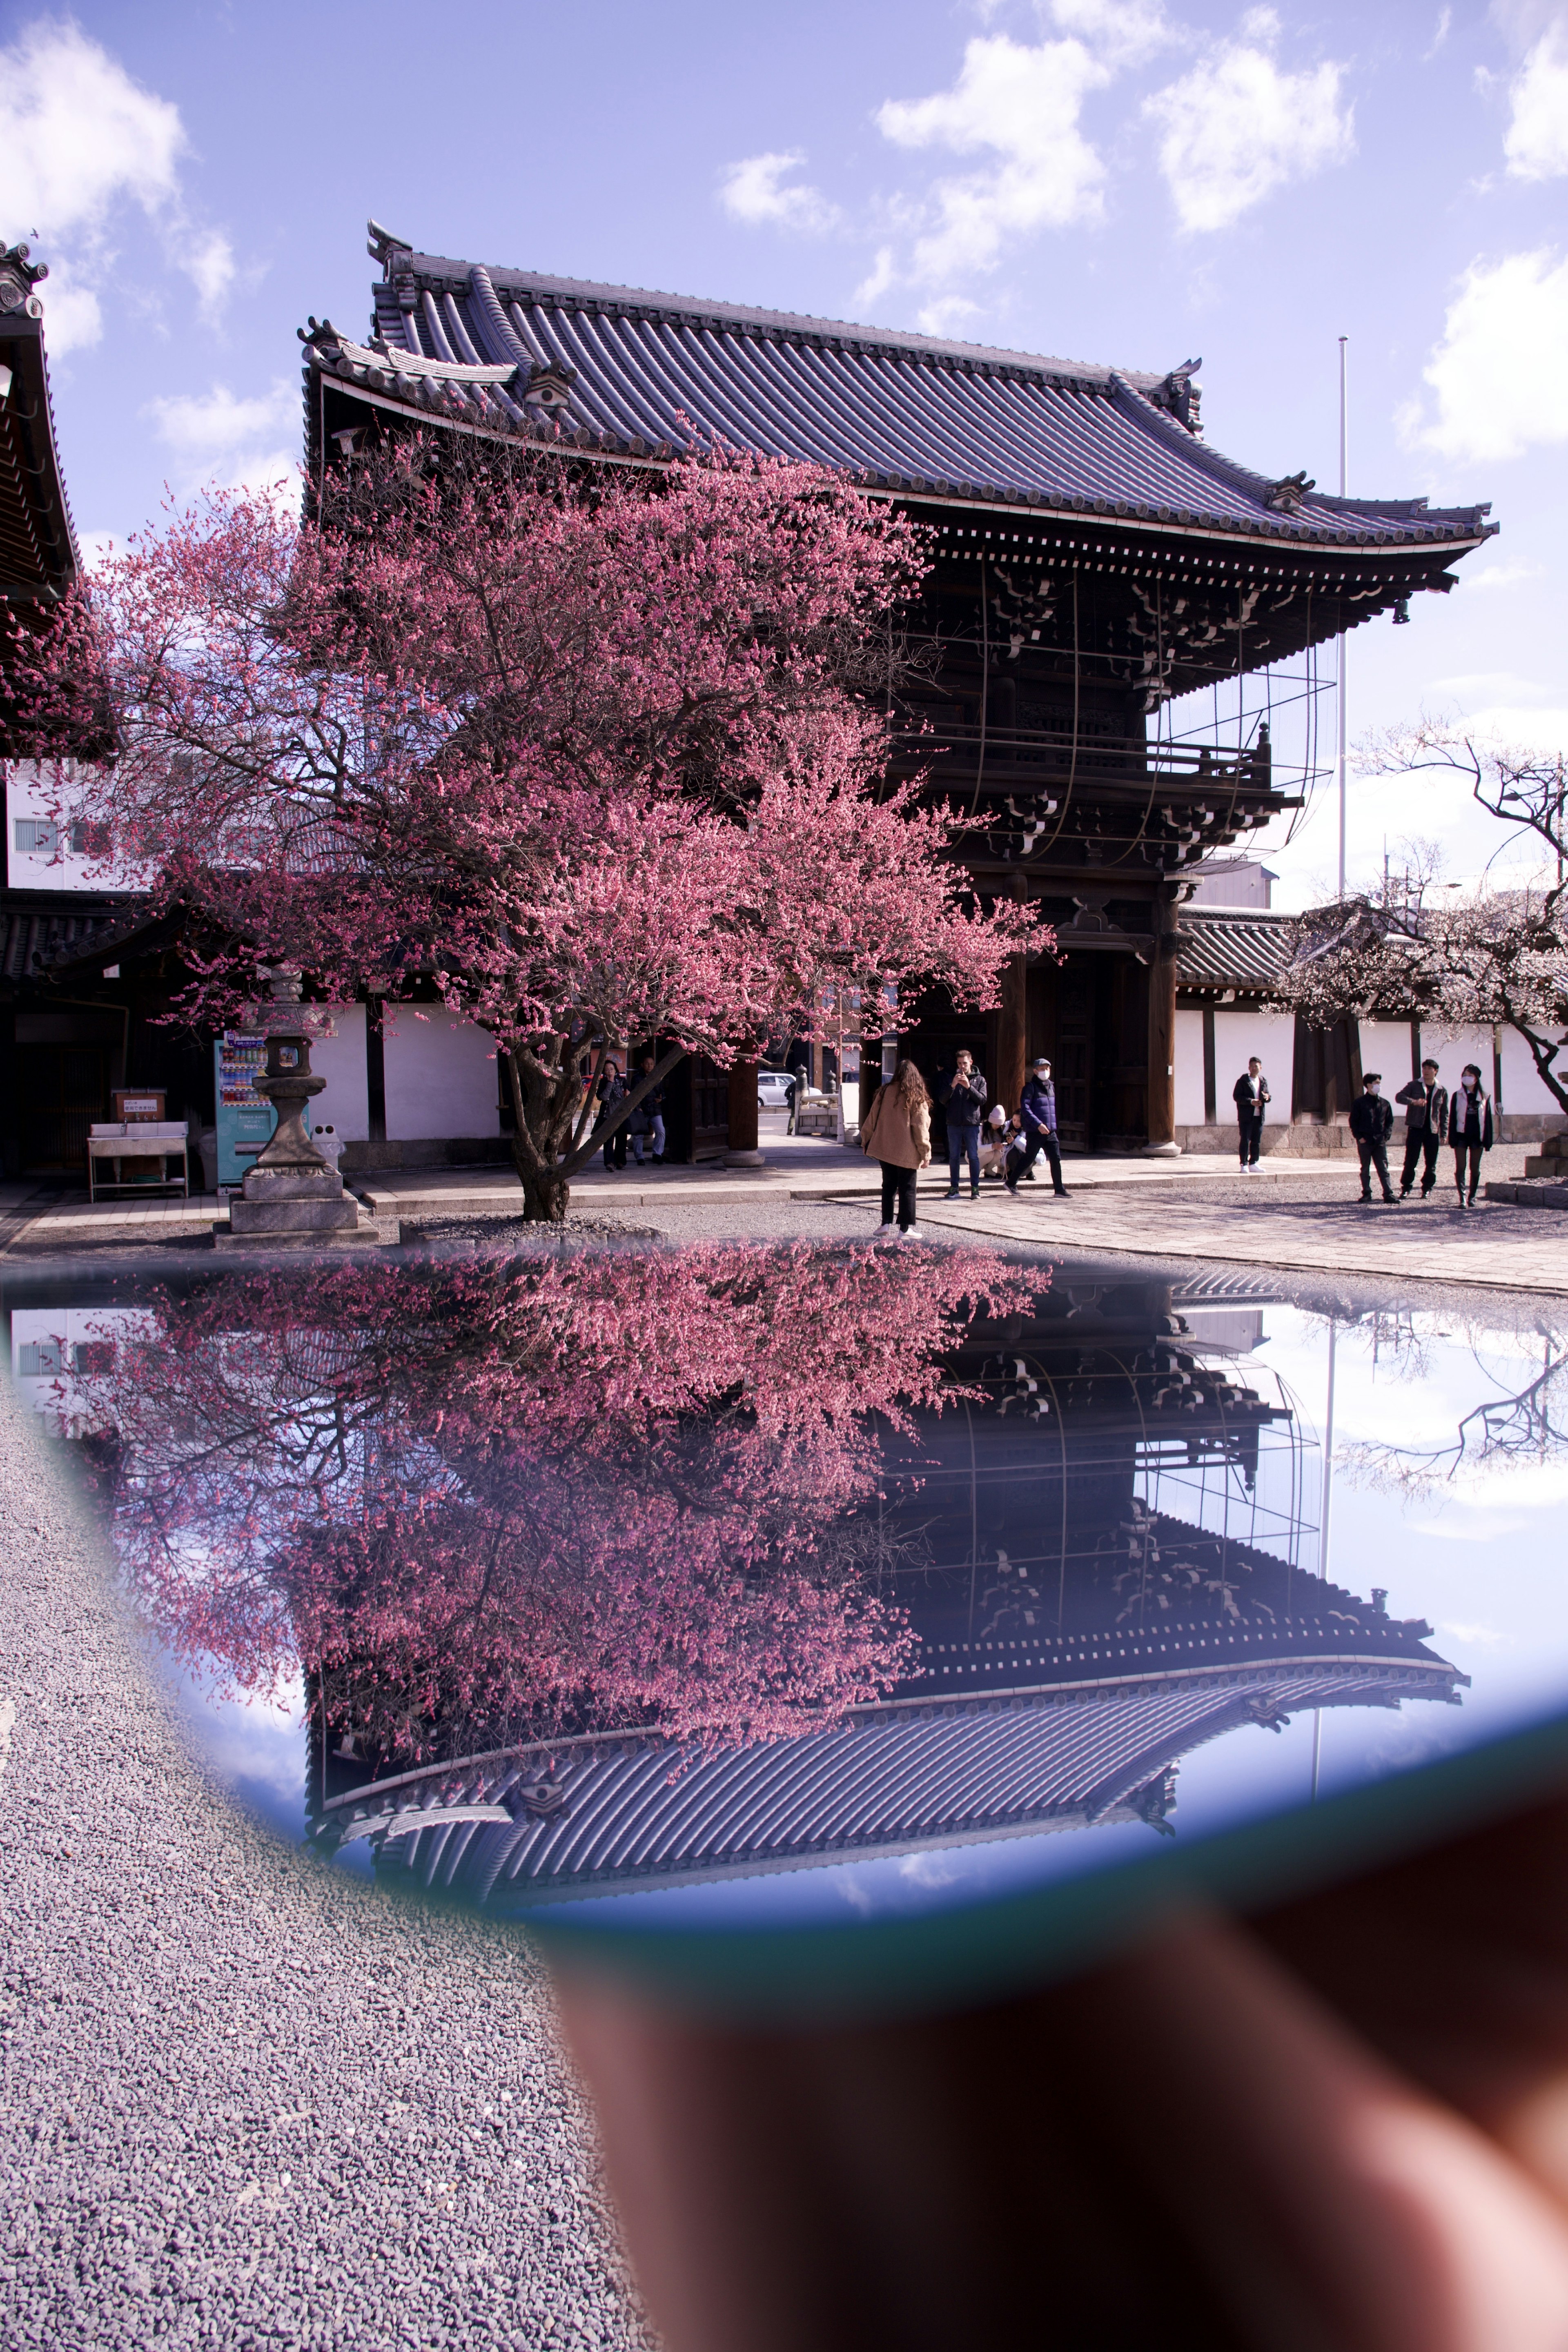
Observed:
{"x":35,"y":936}
{"x":894,"y":1782}
{"x":620,"y":370}
{"x":38,"y":555}
{"x":1221,"y":948}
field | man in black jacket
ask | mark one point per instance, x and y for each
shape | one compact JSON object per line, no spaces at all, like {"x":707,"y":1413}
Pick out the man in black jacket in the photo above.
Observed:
{"x":1371,"y":1124}
{"x":1425,"y":1117}
{"x":1251,"y":1098}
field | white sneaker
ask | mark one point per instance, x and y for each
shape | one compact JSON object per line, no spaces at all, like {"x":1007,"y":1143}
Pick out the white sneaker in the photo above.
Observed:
{"x":912,"y":1233}
{"x":887,"y":1232}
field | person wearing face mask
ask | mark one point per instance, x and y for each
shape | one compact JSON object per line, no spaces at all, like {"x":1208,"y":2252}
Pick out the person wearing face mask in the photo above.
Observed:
{"x":1372,"y":1123}
{"x":1470,"y":1131}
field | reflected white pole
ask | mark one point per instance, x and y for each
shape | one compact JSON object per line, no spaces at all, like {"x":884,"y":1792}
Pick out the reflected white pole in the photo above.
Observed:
{"x":1324,"y":1513}
{"x":1340,"y":697}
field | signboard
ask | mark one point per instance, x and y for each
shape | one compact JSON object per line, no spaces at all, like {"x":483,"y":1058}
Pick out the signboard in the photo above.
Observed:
{"x":245,"y":1118}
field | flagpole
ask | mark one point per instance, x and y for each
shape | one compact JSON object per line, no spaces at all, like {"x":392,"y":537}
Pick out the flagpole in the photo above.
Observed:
{"x":1340,"y":698}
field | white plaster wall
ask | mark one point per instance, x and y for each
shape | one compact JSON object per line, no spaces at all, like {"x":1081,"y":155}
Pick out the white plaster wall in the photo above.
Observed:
{"x":340,"y":1059}
{"x":1522,"y":1088}
{"x":1452,"y":1049}
{"x":440,"y":1077}
{"x":1238,"y":1034}
{"x":1385,"y":1047}
{"x":1189,"y":1067}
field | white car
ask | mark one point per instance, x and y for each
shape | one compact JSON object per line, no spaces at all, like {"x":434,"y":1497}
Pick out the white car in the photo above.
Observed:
{"x":774,"y":1089}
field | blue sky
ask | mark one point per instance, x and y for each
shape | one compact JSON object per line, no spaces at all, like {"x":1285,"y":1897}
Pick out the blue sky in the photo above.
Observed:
{"x":1118,"y":180}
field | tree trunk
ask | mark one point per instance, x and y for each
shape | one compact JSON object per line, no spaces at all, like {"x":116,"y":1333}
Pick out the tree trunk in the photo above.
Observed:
{"x":545,"y":1196}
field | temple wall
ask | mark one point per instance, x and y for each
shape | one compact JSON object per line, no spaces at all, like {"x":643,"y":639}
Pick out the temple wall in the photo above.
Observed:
{"x":1385,"y":1047}
{"x":340,"y":1059}
{"x":440,"y":1075}
{"x":1238,"y":1034}
{"x":1190,"y":1066}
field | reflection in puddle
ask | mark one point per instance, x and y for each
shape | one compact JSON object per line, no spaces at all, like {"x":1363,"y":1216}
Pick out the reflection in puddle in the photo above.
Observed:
{"x":768,"y":1585}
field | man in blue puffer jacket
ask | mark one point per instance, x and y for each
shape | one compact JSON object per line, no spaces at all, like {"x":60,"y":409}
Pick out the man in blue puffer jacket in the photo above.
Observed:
{"x":1038,"y":1112}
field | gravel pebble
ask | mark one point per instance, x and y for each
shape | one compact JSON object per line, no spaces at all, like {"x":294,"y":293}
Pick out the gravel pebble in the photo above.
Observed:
{"x":245,"y":2099}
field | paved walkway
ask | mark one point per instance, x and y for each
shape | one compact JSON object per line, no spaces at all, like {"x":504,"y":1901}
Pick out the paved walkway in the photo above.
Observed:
{"x":1489,"y":1247}
{"x":1295,"y":1216}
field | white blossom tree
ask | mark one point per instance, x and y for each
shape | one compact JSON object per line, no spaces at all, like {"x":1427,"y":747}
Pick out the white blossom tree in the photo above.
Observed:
{"x":1493,"y":955}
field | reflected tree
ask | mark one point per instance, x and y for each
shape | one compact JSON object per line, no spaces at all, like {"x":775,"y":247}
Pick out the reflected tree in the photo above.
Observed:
{"x":497,"y":1500}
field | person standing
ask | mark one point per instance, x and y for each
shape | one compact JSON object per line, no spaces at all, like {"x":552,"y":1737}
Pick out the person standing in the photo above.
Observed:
{"x":1037,"y":1114}
{"x":1426,"y":1116}
{"x":1251,"y":1097}
{"x":612,"y":1093}
{"x":1371,"y":1124}
{"x":1470,"y":1131}
{"x":963,"y":1099}
{"x":647,"y":1119}
{"x":897,"y":1135}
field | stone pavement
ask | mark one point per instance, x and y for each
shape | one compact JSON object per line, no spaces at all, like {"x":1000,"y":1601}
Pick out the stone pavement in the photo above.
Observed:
{"x":1295,"y":1216}
{"x":1491,"y":1246}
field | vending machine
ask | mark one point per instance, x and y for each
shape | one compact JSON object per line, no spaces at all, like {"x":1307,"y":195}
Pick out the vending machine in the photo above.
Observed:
{"x":245,"y":1119}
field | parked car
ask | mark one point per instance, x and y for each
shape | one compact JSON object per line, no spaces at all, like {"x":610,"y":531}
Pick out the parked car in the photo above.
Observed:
{"x":775,"y":1089}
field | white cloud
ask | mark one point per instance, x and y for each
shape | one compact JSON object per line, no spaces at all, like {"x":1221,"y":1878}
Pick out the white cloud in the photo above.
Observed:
{"x":80,"y":140}
{"x":753,"y":191}
{"x":1020,"y":106}
{"x":1124,"y":32}
{"x":1500,"y":575}
{"x":1536,"y":141}
{"x":1239,"y":126}
{"x":220,"y":440}
{"x":947,"y":316}
{"x":1501,"y":373}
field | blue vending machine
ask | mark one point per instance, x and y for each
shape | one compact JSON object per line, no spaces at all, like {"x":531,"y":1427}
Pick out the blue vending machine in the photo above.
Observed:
{"x":245,"y":1118}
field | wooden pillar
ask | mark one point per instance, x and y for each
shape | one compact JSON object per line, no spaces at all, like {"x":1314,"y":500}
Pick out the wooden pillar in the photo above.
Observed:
{"x":1012,"y":1040}
{"x":742,"y":1152}
{"x":1161,"y":1095}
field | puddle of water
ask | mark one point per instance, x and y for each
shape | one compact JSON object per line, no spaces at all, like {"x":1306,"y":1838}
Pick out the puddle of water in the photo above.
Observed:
{"x":758,"y":1601}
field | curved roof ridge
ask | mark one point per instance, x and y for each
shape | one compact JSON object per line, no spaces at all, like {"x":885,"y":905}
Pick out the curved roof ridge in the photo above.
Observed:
{"x":1134,"y":402}
{"x":706,"y":310}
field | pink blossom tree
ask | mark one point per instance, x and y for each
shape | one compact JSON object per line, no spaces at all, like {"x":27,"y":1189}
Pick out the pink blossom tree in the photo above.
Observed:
{"x":593,"y":758}
{"x":533,"y":1497}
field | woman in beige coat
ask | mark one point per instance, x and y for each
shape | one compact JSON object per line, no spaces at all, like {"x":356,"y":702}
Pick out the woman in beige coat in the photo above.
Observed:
{"x":897,"y":1134}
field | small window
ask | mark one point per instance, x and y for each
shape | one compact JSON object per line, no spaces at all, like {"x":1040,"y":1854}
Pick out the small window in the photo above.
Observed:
{"x":89,"y":838}
{"x":40,"y":1359}
{"x":37,"y":832}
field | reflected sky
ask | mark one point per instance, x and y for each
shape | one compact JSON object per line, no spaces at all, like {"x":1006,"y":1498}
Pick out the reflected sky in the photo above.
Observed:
{"x":756,"y":1588}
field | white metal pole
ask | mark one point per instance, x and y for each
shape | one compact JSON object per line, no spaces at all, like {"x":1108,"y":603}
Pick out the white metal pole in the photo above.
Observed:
{"x":1344,"y":492}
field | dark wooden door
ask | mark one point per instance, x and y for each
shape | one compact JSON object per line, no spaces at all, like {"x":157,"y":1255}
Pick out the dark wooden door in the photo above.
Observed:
{"x":63,"y":1091}
{"x":1072,"y":1056}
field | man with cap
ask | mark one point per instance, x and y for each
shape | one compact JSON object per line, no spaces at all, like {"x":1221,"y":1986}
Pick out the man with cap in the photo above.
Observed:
{"x":1038,"y":1113}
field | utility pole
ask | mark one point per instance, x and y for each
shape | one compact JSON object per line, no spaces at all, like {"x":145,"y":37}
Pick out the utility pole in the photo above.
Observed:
{"x":1344,"y":492}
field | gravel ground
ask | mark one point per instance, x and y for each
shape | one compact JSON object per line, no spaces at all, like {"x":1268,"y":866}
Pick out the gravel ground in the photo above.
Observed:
{"x":246,"y":2100}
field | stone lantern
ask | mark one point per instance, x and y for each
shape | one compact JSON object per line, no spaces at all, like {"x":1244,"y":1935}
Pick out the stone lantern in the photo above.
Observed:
{"x":291,"y":1199}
